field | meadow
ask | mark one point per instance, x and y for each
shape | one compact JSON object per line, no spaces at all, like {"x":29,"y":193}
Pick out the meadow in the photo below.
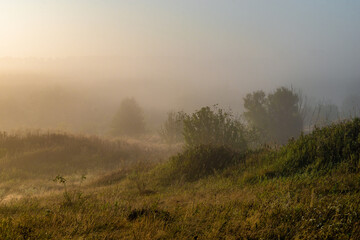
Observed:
{"x":56,"y":185}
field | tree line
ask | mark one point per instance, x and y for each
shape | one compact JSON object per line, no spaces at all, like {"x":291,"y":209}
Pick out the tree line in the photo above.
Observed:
{"x":271,"y":118}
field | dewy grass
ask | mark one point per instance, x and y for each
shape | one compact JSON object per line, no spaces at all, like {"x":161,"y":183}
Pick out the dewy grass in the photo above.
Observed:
{"x":256,"y":198}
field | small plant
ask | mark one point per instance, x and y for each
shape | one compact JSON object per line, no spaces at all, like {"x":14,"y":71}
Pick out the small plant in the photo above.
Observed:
{"x":62,"y":180}
{"x":70,"y":198}
{"x":83,"y":178}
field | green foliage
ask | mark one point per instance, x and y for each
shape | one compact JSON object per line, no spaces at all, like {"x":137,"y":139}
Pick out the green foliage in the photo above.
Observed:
{"x":129,"y":119}
{"x":285,"y":116}
{"x":245,"y":199}
{"x":256,"y":114}
{"x":214,"y":140}
{"x":277,"y":117}
{"x":203,"y":160}
{"x":323,"y":149}
{"x":172,"y":130}
{"x":214,"y":127}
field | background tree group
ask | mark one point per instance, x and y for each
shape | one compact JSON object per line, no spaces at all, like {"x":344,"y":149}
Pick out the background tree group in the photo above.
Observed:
{"x":277,"y":116}
{"x":272,"y":118}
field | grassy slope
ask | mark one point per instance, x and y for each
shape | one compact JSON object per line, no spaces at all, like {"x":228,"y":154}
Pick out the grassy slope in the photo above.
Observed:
{"x":259,"y":199}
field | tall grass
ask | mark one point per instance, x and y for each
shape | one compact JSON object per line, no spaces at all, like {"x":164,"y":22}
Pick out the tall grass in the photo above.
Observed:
{"x":258,"y":194}
{"x":63,"y":153}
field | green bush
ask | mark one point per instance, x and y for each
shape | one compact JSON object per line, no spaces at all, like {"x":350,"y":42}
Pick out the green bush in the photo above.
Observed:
{"x":323,"y":149}
{"x":214,"y":127}
{"x":214,"y":140}
{"x":203,"y":160}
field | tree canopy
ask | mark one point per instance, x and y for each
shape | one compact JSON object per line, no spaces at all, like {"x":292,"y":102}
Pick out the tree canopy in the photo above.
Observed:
{"x":276,"y":116}
{"x":129,"y":119}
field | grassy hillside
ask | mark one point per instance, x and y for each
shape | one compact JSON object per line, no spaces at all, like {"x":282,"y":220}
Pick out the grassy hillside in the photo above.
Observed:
{"x":308,"y":189}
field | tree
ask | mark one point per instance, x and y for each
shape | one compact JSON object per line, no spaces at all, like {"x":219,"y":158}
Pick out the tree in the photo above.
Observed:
{"x":277,"y":116}
{"x":351,"y":106}
{"x":284,"y":113}
{"x":129,"y":119}
{"x":256,"y":115}
{"x":172,"y":129}
{"x":324,"y":114}
{"x":213,"y":127}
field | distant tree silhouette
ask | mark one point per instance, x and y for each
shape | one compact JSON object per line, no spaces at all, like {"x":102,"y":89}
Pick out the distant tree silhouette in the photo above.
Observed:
{"x":256,"y":114}
{"x":351,"y":106}
{"x":277,"y":117}
{"x":172,"y":129}
{"x":129,"y":119}
{"x":284,"y":113}
{"x":324,"y":114}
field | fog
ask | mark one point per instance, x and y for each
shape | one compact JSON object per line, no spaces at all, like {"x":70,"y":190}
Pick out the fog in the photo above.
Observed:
{"x":82,"y":94}
{"x":69,"y":65}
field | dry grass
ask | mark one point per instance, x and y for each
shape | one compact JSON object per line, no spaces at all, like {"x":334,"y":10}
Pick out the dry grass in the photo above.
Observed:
{"x":212,"y":208}
{"x":131,"y":202}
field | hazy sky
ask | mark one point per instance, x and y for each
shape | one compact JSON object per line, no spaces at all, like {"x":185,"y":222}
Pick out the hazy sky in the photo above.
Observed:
{"x":302,"y":28}
{"x":306,"y":43}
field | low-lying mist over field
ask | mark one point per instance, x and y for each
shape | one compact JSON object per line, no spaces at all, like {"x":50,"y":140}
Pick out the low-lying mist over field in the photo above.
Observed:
{"x":82,"y":94}
{"x":69,"y":65}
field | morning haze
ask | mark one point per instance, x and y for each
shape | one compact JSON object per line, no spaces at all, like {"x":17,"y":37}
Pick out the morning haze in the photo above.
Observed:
{"x":178,"y":55}
{"x":180,"y":119}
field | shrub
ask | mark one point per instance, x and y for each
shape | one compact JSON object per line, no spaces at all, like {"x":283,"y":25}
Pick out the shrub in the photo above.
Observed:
{"x":203,"y":160}
{"x":213,"y":127}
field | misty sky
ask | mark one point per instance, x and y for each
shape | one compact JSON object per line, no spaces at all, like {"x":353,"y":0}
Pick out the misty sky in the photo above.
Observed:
{"x":255,"y":29}
{"x":221,"y":48}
